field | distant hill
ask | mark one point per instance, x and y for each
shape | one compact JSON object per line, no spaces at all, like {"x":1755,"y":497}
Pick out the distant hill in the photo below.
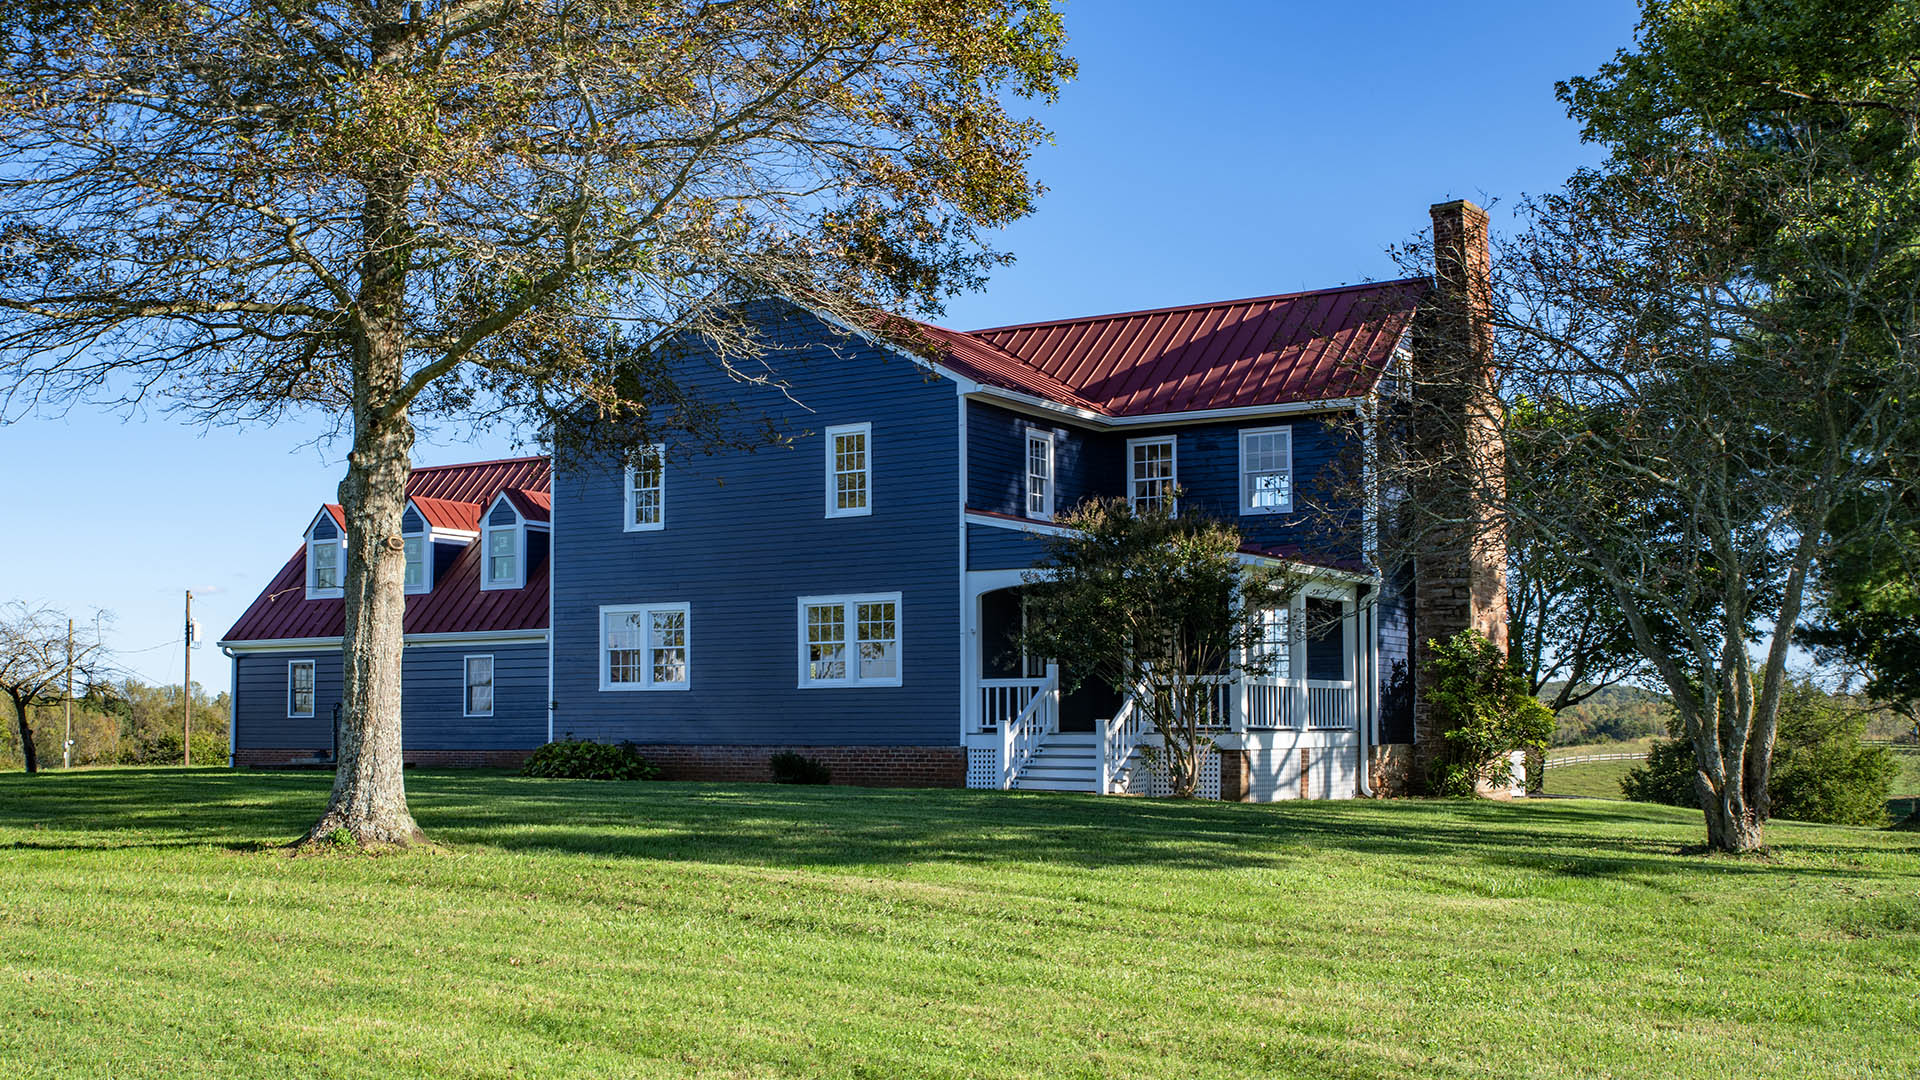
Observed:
{"x":1616,"y":713}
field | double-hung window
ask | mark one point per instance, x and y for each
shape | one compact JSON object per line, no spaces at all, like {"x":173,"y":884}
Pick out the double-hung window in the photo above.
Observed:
{"x":645,"y":647}
{"x":503,"y":553}
{"x":850,"y":640}
{"x":647,"y":489}
{"x":1152,"y":474}
{"x":300,"y":688}
{"x":479,"y":699}
{"x":416,"y":548}
{"x":1266,"y":471}
{"x":1040,"y":475}
{"x":850,"y":470}
{"x":324,"y":557}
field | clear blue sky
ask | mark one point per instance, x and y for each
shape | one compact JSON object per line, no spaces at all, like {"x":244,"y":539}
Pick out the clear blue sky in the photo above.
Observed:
{"x":1208,"y":151}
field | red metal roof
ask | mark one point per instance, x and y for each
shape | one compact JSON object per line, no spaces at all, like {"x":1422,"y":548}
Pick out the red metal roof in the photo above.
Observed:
{"x":448,"y":514}
{"x":533,"y":505}
{"x":457,"y":604}
{"x":1272,"y":350}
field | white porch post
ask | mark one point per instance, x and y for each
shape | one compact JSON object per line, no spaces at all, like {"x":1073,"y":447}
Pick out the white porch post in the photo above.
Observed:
{"x":1350,"y":659}
{"x":1297,"y":657}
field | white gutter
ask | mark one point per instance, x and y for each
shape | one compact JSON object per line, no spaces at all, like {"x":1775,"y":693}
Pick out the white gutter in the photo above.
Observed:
{"x":482,"y":637}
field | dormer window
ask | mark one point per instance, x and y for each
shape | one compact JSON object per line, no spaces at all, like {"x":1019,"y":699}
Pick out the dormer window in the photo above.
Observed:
{"x":419,"y":549}
{"x":513,"y":534}
{"x":326,"y":564}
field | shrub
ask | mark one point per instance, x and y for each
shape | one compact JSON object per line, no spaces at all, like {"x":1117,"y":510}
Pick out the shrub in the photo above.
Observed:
{"x":579,"y":759}
{"x":791,"y":768}
{"x":1821,"y":770}
{"x":1485,"y":711}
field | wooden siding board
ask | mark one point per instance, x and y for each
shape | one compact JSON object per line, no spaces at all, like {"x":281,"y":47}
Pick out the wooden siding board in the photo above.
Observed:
{"x":746,"y":535}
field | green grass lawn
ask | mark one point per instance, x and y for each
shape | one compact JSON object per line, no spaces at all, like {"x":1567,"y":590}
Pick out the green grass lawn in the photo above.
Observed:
{"x":1592,"y":779}
{"x":148,"y":927}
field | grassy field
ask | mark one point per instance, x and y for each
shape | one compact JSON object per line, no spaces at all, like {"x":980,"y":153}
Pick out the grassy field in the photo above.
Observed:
{"x":149,"y":927}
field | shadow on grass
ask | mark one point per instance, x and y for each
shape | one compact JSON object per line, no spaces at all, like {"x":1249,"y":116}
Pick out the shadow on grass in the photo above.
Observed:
{"x":847,"y":828}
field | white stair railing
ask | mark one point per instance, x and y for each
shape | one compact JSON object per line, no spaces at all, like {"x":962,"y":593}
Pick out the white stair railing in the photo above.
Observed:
{"x":1021,"y":736}
{"x":1119,"y":737}
{"x":1330,"y":704}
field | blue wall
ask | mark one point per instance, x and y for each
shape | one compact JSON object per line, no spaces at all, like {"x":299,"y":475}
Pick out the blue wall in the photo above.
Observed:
{"x":746,"y":535}
{"x":432,"y":688}
{"x":1089,"y":463}
{"x":991,"y":547}
{"x":1395,"y":614}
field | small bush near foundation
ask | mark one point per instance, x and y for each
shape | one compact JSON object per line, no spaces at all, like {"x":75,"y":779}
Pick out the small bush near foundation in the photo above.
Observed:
{"x":791,"y":768}
{"x":583,"y":760}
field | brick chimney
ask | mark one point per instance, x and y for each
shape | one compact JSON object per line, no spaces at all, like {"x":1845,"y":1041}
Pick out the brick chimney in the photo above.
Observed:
{"x":1460,"y":571}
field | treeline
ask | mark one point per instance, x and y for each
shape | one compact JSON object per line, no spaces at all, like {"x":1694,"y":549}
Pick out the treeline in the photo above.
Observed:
{"x":122,"y":723}
{"x":1624,"y":713}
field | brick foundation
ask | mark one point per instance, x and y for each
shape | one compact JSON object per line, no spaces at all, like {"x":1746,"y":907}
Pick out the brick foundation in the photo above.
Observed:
{"x":865,"y":766}
{"x":1236,"y":776}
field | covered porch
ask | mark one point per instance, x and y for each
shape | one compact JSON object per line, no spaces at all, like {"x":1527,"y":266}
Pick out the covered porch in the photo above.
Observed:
{"x":1022,"y":731}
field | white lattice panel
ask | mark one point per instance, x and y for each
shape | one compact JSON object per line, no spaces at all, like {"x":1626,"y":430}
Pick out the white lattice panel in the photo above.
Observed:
{"x":983,"y":767}
{"x":1150,"y":776}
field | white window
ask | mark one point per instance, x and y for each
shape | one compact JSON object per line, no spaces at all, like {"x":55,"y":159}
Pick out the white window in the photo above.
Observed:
{"x":1276,"y":641}
{"x":417,"y":552}
{"x":300,"y":688}
{"x":645,"y":647}
{"x":849,"y":470}
{"x":479,"y":700}
{"x":647,"y":489}
{"x":1152,"y":474}
{"x":1266,"y":471}
{"x":850,"y":640}
{"x":1040,"y":475}
{"x":323,"y":560}
{"x":503,"y":556}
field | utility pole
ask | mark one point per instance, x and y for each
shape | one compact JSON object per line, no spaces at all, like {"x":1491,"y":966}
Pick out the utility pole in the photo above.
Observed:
{"x":186,"y":734}
{"x":66,"y":744}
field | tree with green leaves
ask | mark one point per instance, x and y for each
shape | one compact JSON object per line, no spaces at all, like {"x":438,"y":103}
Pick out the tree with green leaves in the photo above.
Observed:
{"x":1157,"y":608}
{"x":467,"y":211}
{"x":1724,"y":318}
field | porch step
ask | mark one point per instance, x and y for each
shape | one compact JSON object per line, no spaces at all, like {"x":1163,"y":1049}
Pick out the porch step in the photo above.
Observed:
{"x":1065,"y":761}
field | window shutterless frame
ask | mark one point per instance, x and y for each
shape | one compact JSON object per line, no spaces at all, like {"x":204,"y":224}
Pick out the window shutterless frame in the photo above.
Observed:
{"x":1153,"y":472}
{"x":646,"y":487}
{"x":1266,"y":470}
{"x":646,"y":647}
{"x":1040,"y":471}
{"x":477,"y":679}
{"x":850,"y":641}
{"x":300,"y":690}
{"x":849,"y":470}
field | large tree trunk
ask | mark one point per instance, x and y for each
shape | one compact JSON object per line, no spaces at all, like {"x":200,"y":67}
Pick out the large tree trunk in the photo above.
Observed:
{"x":1733,"y":826}
{"x":369,"y":798}
{"x":27,"y":753}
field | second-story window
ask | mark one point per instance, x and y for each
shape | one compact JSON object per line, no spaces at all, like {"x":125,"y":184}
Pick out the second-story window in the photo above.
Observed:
{"x":647,"y":489}
{"x":503,"y":556}
{"x":1040,"y":475}
{"x":849,"y":470}
{"x":1266,"y":471}
{"x":1152,"y":474}
{"x":325,"y":560}
{"x":416,"y":562}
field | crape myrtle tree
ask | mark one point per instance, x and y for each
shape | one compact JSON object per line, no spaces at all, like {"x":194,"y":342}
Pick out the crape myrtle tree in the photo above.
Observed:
{"x":402,"y":211}
{"x":42,"y":652}
{"x":1152,"y":606}
{"x":1709,"y":350}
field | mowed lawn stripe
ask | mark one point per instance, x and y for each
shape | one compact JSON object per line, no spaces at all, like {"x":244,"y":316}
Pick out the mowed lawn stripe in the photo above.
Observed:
{"x":149,"y":926}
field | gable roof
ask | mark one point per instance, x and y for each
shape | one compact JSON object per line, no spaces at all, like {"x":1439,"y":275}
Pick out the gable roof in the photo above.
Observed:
{"x":532,"y":505}
{"x":1299,"y":347}
{"x":457,"y":604}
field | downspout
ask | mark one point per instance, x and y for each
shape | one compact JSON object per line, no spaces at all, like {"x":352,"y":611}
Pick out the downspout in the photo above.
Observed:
{"x":233,"y":698}
{"x":1363,"y":692}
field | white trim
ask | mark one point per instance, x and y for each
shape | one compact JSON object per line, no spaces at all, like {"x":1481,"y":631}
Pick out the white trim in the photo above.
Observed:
{"x":1247,"y":509}
{"x":466,"y":684}
{"x":849,"y":604}
{"x":833,"y":434}
{"x":487,"y":530}
{"x":553,"y":584}
{"x":1040,"y":435}
{"x":339,"y":545}
{"x":476,"y":637}
{"x":969,"y":629}
{"x":1197,"y":416}
{"x":974,"y":517}
{"x":646,"y":682}
{"x":659,"y":450}
{"x":313,"y":690}
{"x":1173,"y":482}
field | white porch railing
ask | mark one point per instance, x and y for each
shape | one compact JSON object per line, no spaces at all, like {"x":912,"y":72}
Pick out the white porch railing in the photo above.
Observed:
{"x":1021,"y":735}
{"x":1119,"y":737}
{"x":1003,"y":699}
{"x":1267,"y":703}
